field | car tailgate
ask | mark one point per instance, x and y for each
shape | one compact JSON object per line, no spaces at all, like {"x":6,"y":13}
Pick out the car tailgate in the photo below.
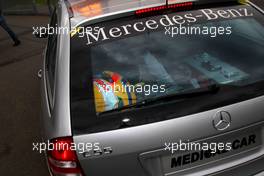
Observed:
{"x":139,"y":150}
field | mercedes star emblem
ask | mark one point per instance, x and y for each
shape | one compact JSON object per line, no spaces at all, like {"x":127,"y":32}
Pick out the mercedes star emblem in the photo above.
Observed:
{"x":222,"y":120}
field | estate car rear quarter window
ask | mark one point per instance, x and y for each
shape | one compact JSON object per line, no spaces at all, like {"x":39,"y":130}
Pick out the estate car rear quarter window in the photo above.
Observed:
{"x":173,"y":65}
{"x":51,"y":58}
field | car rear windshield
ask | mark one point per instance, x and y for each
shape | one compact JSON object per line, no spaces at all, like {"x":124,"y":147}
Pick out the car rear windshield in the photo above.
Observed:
{"x":142,"y":69}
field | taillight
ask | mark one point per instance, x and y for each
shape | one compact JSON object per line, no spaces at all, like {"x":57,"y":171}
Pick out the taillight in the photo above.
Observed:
{"x":164,"y":7}
{"x":62,"y":159}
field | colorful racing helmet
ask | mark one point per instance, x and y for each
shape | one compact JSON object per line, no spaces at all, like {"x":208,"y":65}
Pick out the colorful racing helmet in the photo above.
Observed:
{"x":111,"y":91}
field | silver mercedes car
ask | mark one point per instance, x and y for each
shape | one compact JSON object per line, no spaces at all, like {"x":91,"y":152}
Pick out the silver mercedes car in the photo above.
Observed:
{"x":154,"y":88}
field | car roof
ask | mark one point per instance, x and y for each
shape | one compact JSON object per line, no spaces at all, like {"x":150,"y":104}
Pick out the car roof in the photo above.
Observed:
{"x":87,"y":10}
{"x":82,"y":10}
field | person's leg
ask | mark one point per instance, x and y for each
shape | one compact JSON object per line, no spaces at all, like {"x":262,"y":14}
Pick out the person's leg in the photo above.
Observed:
{"x":4,"y":25}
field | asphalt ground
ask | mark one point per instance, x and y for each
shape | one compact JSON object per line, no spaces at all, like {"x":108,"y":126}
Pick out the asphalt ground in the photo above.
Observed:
{"x":20,"y":98}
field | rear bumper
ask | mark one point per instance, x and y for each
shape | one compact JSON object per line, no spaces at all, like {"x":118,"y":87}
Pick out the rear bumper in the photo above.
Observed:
{"x":253,"y":167}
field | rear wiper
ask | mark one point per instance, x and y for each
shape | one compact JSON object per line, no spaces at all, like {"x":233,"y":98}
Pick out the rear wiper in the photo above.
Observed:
{"x":212,"y":89}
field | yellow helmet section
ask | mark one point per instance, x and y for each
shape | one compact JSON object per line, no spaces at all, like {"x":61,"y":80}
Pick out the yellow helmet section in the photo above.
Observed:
{"x":99,"y":100}
{"x":111,"y":91}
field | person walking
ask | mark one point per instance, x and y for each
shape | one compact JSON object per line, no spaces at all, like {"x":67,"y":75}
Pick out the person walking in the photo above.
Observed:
{"x":4,"y":25}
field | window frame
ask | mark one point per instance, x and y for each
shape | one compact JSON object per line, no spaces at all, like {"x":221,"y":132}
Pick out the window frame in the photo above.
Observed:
{"x":51,"y":58}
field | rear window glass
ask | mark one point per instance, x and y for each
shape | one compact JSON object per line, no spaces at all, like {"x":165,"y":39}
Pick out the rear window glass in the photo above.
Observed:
{"x":121,"y":64}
